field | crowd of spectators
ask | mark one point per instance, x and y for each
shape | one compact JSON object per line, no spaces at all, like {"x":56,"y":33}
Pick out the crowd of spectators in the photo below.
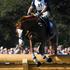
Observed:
{"x":17,"y":50}
{"x":63,"y":51}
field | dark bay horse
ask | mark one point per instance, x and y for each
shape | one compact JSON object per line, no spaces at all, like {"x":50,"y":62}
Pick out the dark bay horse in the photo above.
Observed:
{"x":40,"y":30}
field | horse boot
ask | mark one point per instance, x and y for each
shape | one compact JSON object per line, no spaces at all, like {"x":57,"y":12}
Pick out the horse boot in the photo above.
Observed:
{"x":38,"y":63}
{"x":48,"y":59}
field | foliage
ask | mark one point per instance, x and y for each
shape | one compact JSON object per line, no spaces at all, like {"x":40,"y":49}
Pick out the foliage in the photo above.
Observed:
{"x":12,"y":10}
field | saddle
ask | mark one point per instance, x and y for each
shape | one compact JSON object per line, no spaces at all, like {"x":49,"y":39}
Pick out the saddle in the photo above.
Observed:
{"x":49,"y":25}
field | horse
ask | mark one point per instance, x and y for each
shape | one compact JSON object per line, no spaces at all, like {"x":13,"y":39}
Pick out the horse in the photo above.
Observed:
{"x":46,"y":37}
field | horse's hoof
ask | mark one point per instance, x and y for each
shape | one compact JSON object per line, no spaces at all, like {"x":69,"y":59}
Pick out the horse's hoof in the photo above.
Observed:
{"x":49,"y":60}
{"x":38,"y":64}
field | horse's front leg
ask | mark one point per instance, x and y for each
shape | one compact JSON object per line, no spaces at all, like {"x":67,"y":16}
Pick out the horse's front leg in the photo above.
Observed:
{"x":20,"y":41}
{"x":32,"y":51}
{"x":36,"y":60}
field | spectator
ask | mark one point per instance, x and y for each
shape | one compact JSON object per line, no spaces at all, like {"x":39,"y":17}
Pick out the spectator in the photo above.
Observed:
{"x":26,"y":50}
{"x":59,"y":48}
{"x":50,"y":50}
{"x":46,"y":49}
{"x":69,"y":50}
{"x":1,"y":50}
{"x":5,"y":51}
{"x":11,"y":51}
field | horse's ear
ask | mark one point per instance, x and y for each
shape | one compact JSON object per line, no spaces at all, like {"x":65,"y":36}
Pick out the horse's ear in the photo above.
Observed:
{"x":18,"y":24}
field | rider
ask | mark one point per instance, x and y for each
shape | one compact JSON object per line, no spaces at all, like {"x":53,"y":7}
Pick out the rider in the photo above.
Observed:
{"x":41,"y":7}
{"x":42,"y":10}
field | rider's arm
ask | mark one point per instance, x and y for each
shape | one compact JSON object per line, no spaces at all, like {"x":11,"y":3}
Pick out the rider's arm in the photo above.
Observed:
{"x":31,"y":8}
{"x":45,"y":7}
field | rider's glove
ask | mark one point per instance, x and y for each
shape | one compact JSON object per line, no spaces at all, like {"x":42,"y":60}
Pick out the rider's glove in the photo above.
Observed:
{"x":28,"y":13}
{"x":38,"y":14}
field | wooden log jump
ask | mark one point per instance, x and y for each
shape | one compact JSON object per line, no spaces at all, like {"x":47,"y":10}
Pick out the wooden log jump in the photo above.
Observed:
{"x":25,"y":62}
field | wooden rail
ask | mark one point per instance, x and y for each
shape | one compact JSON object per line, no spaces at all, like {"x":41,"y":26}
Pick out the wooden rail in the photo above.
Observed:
{"x":25,"y":62}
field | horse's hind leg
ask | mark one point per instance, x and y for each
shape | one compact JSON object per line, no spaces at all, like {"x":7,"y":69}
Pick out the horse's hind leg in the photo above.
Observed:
{"x":54,"y":43}
{"x":54,"y":47}
{"x":41,"y":51}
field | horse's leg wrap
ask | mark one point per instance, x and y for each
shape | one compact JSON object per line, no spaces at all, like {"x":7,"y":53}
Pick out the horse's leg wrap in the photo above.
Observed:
{"x":20,"y":41}
{"x":35,"y":60}
{"x":48,"y":59}
{"x":44,"y":57}
{"x":19,"y":31}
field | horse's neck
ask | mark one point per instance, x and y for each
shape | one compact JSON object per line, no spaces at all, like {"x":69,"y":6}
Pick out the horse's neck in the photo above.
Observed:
{"x":27,"y":18}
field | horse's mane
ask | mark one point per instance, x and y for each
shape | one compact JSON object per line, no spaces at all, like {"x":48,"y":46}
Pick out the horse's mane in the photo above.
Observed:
{"x":27,"y":18}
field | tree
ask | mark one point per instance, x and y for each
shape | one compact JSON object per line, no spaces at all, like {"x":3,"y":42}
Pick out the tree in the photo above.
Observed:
{"x":12,"y":10}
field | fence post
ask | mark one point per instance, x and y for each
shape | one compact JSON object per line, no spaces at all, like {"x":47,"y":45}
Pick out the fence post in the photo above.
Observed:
{"x":25,"y":64}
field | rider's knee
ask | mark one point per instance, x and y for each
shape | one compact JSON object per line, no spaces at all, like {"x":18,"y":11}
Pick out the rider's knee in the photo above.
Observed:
{"x":46,"y":14}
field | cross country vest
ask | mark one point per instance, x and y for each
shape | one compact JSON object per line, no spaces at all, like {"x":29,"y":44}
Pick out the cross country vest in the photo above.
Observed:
{"x":39,"y":5}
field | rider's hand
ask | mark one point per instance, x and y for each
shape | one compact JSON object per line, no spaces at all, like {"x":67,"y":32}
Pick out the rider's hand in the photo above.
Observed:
{"x":38,"y":14}
{"x":28,"y":13}
{"x":31,"y":14}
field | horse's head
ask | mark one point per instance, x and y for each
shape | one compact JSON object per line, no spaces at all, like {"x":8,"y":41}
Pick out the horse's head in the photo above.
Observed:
{"x":18,"y":25}
{"x":21,"y":22}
